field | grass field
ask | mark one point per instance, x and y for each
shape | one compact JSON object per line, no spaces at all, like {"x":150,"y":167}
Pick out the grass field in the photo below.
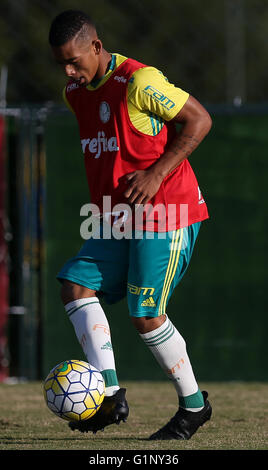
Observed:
{"x":239,"y":420}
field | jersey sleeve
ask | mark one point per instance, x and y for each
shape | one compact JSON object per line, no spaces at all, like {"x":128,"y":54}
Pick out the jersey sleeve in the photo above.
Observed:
{"x":149,"y":90}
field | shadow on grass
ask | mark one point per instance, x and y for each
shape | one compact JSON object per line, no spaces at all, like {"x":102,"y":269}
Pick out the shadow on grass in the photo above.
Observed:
{"x":59,"y":439}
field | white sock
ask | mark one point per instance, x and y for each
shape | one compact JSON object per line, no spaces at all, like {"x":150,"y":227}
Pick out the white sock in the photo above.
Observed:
{"x":169,"y":349}
{"x":93,"y":333}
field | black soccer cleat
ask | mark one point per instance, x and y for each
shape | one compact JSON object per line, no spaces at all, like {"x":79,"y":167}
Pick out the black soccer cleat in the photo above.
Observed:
{"x":184,"y":424}
{"x":112,"y":410}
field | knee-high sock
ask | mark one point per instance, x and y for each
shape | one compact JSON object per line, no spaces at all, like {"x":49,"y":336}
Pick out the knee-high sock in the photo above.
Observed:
{"x":169,"y":349}
{"x":93,"y":333}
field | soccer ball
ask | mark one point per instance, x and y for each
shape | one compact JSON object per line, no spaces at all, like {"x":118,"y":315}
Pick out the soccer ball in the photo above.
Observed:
{"x":74,"y":390}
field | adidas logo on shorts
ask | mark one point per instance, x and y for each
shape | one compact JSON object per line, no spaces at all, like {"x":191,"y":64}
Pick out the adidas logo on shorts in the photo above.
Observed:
{"x":149,"y":302}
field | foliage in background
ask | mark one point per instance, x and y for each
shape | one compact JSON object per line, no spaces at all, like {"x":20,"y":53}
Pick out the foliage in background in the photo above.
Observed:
{"x":186,"y":39}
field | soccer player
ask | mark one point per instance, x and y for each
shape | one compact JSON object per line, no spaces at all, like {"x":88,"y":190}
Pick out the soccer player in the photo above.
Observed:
{"x":128,"y":114}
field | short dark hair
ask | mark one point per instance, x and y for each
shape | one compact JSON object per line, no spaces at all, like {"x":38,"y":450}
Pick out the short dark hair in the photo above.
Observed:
{"x":68,"y":24}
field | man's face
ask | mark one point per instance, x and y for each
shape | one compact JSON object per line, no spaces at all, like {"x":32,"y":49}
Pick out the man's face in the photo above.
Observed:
{"x":80,"y":61}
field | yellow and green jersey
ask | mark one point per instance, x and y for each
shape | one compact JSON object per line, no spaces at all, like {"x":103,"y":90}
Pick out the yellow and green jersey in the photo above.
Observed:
{"x":125,"y":123}
{"x":151,"y":98}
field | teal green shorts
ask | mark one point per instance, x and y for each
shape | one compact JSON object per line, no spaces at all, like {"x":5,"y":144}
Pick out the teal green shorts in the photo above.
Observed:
{"x":144,"y":269}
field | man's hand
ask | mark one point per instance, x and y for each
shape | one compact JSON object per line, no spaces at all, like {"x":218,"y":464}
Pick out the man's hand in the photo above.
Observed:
{"x":195,"y":124}
{"x":142,"y":186}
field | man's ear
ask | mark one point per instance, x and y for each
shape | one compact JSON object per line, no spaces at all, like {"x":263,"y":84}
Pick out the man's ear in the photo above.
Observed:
{"x":97,"y":46}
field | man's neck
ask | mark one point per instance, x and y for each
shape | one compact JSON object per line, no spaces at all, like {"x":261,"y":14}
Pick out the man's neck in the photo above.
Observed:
{"x":105,"y":61}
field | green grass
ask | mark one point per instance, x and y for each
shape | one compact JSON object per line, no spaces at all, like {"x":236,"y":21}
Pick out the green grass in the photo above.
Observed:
{"x":239,"y":421}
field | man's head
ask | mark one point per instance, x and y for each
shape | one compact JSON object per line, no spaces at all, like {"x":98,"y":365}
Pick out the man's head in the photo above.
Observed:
{"x":76,"y":46}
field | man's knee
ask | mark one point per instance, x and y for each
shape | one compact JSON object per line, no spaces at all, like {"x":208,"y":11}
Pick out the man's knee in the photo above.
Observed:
{"x":146,"y":324}
{"x":71,"y":291}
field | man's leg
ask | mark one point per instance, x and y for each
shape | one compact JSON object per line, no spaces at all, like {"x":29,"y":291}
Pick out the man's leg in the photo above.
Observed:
{"x":93,"y":333}
{"x":169,"y":349}
{"x":92,"y":330}
{"x":100,"y":266}
{"x":156,"y":267}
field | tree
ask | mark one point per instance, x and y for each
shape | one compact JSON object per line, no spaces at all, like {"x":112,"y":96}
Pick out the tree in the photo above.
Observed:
{"x":186,"y":39}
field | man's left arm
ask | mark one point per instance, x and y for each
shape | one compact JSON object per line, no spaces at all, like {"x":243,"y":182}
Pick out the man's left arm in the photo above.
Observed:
{"x":195,"y":124}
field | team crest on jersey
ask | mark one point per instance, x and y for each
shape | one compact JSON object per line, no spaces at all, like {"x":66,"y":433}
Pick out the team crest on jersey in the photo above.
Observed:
{"x":105,"y":112}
